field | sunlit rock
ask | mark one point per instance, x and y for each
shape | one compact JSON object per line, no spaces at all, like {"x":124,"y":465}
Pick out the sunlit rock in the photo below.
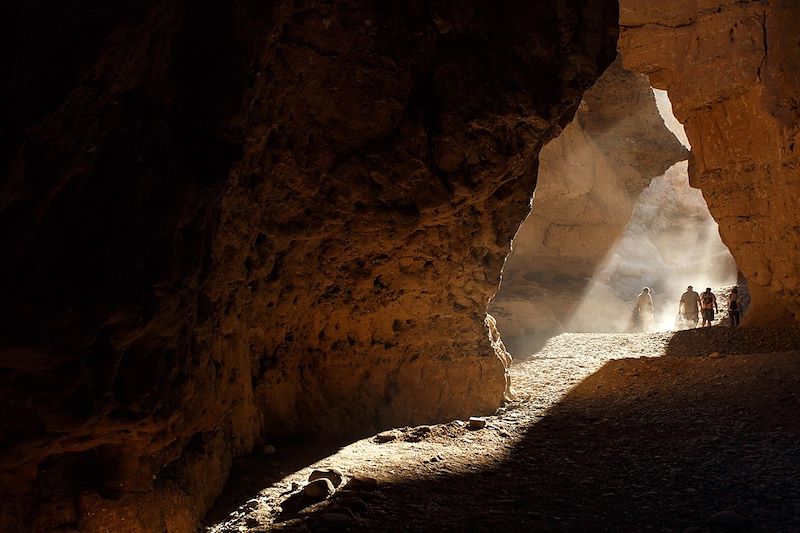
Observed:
{"x":732,"y":70}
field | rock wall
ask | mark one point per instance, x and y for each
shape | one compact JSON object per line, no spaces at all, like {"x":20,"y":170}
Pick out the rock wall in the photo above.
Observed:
{"x":234,"y":221}
{"x":731,"y":70}
{"x":589,"y":180}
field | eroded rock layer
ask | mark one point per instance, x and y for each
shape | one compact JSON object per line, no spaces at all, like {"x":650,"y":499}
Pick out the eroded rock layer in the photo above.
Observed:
{"x":731,"y":70}
{"x":589,"y":179}
{"x":224,"y":222}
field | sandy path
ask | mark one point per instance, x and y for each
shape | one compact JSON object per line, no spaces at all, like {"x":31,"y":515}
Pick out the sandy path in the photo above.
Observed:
{"x":611,"y":432}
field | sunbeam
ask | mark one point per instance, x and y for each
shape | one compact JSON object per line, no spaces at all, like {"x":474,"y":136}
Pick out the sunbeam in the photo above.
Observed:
{"x":670,"y":242}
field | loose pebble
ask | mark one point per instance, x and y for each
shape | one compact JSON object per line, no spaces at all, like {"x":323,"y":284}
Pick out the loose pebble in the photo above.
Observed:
{"x":319,"y":489}
{"x":331,"y":474}
{"x":476,"y":422}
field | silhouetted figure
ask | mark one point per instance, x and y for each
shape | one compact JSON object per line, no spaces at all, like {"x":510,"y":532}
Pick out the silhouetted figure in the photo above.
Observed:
{"x":734,"y":307}
{"x":644,"y":309}
{"x":689,"y":307}
{"x":708,"y":304}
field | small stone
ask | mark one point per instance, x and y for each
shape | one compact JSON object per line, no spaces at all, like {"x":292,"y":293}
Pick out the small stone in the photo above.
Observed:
{"x":418,"y":433}
{"x":336,"y":520}
{"x":362,"y":483}
{"x":500,"y":411}
{"x":476,"y":422}
{"x":731,"y":521}
{"x":319,"y":489}
{"x":386,"y":436}
{"x":332,"y":474}
{"x":715,"y":355}
{"x":268,"y":449}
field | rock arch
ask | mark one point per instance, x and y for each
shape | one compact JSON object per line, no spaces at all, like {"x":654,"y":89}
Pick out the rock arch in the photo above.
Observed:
{"x":731,"y":72}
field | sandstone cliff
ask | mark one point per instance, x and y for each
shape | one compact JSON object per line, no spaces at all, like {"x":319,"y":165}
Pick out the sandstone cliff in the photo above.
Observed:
{"x":225,"y":221}
{"x":589,"y":180}
{"x":731,"y":70}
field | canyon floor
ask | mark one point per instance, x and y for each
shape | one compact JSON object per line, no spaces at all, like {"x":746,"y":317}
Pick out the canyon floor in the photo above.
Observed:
{"x":695,"y":430}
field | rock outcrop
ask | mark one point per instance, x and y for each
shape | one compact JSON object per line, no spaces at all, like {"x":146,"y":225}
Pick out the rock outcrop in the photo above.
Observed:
{"x":229,"y":220}
{"x":589,"y":180}
{"x":731,"y":70}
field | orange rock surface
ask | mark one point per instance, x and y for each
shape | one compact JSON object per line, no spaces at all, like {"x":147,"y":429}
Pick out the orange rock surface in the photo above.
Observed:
{"x":731,"y":70}
{"x":227,"y":222}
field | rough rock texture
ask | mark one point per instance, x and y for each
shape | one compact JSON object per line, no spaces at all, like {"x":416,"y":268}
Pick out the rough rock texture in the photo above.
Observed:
{"x":220,"y":221}
{"x":589,"y":179}
{"x":731,"y":70}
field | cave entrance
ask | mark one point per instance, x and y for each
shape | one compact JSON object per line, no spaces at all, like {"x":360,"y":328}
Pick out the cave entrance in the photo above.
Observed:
{"x":613,"y":212}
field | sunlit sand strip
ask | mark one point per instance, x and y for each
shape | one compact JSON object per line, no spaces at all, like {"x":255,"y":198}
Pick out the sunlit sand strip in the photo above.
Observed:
{"x":541,"y":381}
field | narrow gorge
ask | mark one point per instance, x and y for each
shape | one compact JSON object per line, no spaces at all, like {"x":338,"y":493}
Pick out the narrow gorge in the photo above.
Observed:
{"x":227,"y":224}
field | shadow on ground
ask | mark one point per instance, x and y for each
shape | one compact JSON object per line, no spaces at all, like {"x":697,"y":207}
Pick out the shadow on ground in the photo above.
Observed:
{"x":252,"y":473}
{"x":644,"y":444}
{"x":651,"y":444}
{"x":726,"y":341}
{"x":523,"y":347}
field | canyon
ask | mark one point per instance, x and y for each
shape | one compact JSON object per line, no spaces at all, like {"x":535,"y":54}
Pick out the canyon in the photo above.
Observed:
{"x":227,"y":223}
{"x":590,"y":180}
{"x":224,"y":224}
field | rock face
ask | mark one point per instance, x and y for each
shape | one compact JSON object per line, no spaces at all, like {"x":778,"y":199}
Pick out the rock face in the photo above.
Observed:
{"x":589,"y":180}
{"x":731,"y":70}
{"x":230,"y":220}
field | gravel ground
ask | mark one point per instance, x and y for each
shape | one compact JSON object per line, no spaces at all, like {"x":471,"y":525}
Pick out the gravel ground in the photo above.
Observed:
{"x":689,"y":431}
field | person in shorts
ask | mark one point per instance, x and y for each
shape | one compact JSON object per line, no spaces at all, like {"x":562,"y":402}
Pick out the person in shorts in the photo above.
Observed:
{"x":708,"y":304}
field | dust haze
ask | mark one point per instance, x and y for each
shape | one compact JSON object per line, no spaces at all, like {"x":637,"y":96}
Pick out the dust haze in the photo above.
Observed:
{"x":670,"y":242}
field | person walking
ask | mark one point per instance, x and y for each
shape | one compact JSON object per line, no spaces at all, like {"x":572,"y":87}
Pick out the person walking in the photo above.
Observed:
{"x":644,"y":308}
{"x":708,"y":304}
{"x":734,"y":307}
{"x":689,"y":307}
